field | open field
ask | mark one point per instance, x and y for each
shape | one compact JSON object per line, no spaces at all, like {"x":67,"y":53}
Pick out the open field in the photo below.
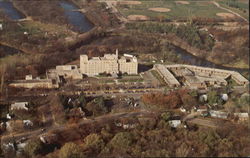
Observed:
{"x":239,"y":6}
{"x":172,"y":9}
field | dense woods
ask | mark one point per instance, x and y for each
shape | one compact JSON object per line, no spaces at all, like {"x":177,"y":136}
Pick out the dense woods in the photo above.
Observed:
{"x":233,"y":45}
{"x":189,"y":33}
{"x":172,"y":100}
{"x":152,"y":137}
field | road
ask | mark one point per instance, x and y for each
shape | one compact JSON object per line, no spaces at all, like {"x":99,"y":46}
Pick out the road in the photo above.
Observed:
{"x":218,"y":5}
{"x":191,"y":116}
{"x":136,"y":93}
{"x":101,"y":119}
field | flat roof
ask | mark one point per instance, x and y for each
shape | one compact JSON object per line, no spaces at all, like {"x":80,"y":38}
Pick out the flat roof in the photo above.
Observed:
{"x":31,"y":81}
{"x":167,"y":75}
{"x":237,"y":75}
{"x":192,"y":79}
{"x":213,"y":79}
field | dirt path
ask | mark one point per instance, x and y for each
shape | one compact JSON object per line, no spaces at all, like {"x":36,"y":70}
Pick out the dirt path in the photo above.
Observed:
{"x":218,"y":5}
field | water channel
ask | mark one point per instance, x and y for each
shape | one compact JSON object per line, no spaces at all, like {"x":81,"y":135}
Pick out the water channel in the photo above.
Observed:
{"x":10,"y":11}
{"x":82,"y":24}
{"x":5,"y":51}
{"x":193,"y":60}
{"x":76,"y":18}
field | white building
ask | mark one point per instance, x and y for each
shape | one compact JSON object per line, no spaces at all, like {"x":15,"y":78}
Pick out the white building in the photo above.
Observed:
{"x":174,"y":123}
{"x":19,"y":106}
{"x":218,"y":114}
{"x":109,"y":63}
{"x":242,"y":116}
{"x":28,"y":77}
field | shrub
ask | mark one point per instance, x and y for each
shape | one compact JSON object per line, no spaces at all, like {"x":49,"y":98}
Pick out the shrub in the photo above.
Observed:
{"x":34,"y":147}
{"x":71,"y":150}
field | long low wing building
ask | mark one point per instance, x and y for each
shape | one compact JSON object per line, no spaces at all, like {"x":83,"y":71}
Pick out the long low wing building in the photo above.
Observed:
{"x":197,"y":76}
{"x":35,"y":83}
{"x":167,"y":75}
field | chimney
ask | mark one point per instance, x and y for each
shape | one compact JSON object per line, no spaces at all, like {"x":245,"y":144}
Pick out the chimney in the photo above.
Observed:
{"x":116,"y":52}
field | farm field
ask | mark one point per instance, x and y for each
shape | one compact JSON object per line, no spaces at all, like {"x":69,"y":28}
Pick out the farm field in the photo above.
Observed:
{"x":174,"y":10}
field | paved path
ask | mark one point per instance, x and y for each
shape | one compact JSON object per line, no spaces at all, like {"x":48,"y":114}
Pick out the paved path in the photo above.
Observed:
{"x":218,"y":5}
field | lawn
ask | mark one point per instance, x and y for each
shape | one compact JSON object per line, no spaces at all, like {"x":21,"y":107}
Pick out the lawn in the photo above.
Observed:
{"x":239,"y":6}
{"x":177,"y":10}
{"x":131,"y":80}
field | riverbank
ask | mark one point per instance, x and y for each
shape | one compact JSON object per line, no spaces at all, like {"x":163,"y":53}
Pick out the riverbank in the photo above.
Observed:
{"x":10,"y":10}
{"x":205,"y":55}
{"x":6,"y":51}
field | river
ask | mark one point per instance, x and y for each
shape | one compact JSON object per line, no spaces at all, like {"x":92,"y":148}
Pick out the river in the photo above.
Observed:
{"x":10,"y":11}
{"x":82,"y":24}
{"x":76,"y":18}
{"x":193,"y":60}
{"x":5,"y":51}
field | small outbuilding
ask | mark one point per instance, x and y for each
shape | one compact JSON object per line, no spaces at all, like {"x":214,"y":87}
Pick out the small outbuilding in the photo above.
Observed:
{"x":174,"y":123}
{"x":19,"y":106}
{"x":242,"y":116}
{"x":218,"y":114}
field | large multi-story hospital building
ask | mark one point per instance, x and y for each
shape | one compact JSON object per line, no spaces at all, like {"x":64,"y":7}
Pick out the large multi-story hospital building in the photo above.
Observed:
{"x":109,"y":63}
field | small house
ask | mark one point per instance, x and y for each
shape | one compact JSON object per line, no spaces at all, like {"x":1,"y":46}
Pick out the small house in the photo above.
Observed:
{"x":174,"y":123}
{"x":28,"y":77}
{"x":242,"y":116}
{"x":19,"y":106}
{"x":182,"y":109}
{"x":224,"y":97}
{"x":203,"y":98}
{"x":27,"y":123}
{"x":218,"y":114}
{"x":202,"y":108}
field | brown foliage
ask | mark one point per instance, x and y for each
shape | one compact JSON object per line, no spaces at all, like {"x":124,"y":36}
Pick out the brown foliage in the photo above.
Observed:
{"x":160,"y":100}
{"x":44,"y":11}
{"x":170,"y":101}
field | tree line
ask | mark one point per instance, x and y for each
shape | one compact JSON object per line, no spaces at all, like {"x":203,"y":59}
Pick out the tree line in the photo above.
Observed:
{"x":188,"y":32}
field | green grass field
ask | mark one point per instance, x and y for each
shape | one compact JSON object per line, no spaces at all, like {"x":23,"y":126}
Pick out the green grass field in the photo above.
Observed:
{"x":178,"y":11}
{"x":239,"y":6}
